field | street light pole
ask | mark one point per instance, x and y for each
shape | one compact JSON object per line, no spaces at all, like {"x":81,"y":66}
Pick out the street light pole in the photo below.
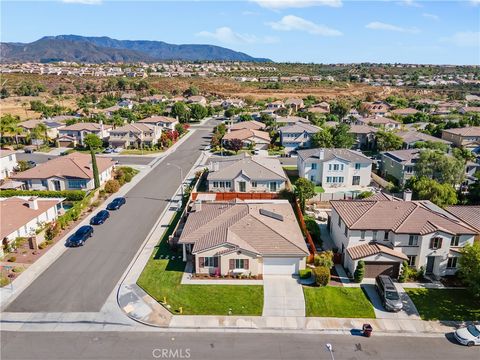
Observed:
{"x":181,"y":177}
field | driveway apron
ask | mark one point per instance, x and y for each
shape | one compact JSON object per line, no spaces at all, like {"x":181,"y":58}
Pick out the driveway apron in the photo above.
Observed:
{"x":283,"y":296}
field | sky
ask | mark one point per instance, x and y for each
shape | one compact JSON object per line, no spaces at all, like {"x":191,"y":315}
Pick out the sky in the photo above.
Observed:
{"x":319,"y":31}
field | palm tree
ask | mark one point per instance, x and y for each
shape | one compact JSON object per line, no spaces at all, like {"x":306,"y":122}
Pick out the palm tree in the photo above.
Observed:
{"x":40,"y":132}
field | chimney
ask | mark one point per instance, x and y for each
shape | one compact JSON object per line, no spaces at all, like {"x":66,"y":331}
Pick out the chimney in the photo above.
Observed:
{"x":321,"y":154}
{"x":33,"y":203}
{"x":407,"y":195}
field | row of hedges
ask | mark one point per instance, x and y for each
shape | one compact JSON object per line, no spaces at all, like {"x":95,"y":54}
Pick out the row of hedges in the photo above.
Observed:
{"x":73,"y":214}
{"x":69,"y":195}
{"x":313,"y":229}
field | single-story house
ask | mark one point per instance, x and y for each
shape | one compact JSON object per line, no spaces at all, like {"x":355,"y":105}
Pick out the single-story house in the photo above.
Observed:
{"x":410,"y":138}
{"x":247,"y":174}
{"x":244,"y":237}
{"x":71,"y":172}
{"x":260,"y":139}
{"x":252,"y":125}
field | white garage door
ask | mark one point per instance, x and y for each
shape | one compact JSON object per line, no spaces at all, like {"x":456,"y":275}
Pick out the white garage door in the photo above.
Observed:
{"x":280,"y":266}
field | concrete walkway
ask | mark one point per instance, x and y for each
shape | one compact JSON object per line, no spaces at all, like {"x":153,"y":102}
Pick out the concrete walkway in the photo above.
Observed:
{"x":282,"y":296}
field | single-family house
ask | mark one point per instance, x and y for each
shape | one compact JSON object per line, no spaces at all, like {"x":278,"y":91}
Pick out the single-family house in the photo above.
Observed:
{"x":467,"y":137}
{"x":161,"y":122}
{"x":412,"y":137}
{"x":290,"y":120}
{"x":235,"y":103}
{"x":379,"y":122}
{"x":154,"y":99}
{"x":252,"y":125}
{"x":469,"y":214}
{"x":197,"y":99}
{"x":8,"y":162}
{"x":364,"y":136}
{"x":321,"y":108}
{"x":259,"y":139}
{"x":377,"y":108}
{"x":293,"y":137}
{"x":247,"y":174}
{"x":244,"y":237}
{"x":384,"y":231}
{"x":22,"y":216}
{"x":135,"y":135}
{"x":334,"y":168}
{"x":399,"y":164}
{"x":73,"y":135}
{"x":294,"y":103}
{"x":275,"y":105}
{"x":53,"y":127}
{"x":71,"y":172}
{"x":404,"y":112}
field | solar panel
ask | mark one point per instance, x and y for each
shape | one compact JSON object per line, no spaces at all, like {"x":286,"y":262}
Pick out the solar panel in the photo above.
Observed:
{"x":271,"y":214}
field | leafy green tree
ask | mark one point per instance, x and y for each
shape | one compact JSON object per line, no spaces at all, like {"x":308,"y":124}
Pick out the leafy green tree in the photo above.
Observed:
{"x":463,"y":155}
{"x":428,"y":189}
{"x":341,"y":136}
{"x":340,"y":108}
{"x":304,"y":190}
{"x":198,"y":112}
{"x":469,"y":267}
{"x":10,"y":124}
{"x":359,"y":272}
{"x":268,"y":120}
{"x":474,"y":190}
{"x":93,"y":142}
{"x":433,"y":145}
{"x":323,"y":139}
{"x":388,"y":141}
{"x":40,"y":132}
{"x":180,"y":110}
{"x":441,"y":167}
{"x":234,"y":145}
{"x":246,"y":117}
{"x":192,"y":91}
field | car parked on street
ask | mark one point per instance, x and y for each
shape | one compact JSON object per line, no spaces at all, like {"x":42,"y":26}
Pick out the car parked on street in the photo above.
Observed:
{"x":116,"y":203}
{"x":100,"y":217}
{"x":80,"y":236}
{"x":468,"y":335}
{"x":388,"y":293}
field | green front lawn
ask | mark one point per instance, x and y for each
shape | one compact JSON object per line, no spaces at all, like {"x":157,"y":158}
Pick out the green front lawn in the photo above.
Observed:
{"x":161,"y":278}
{"x":445,"y":304}
{"x":342,"y":302}
{"x":319,"y":189}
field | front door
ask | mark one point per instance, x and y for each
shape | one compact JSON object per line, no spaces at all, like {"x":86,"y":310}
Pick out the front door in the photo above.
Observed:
{"x":356,"y":180}
{"x":430,"y":264}
{"x":242,"y":185}
{"x":56,"y":185}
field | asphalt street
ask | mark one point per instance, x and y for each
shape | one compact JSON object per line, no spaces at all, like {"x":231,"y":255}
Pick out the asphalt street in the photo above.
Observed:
{"x":82,"y":278}
{"x":122,"y":159}
{"x":212,"y":346}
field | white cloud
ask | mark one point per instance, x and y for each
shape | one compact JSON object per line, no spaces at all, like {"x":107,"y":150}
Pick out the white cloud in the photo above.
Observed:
{"x":463,"y":39}
{"x":377,"y":25}
{"x":431,"y":16}
{"x":292,"y":23}
{"x":228,"y":36}
{"x":83,"y":2}
{"x":412,"y":3}
{"x":285,"y":4}
{"x":475,"y":2}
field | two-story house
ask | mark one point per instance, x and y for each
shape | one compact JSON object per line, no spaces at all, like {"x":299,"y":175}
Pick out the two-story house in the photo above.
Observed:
{"x":161,"y":122}
{"x":364,"y":136}
{"x":412,"y":137}
{"x":379,"y":122}
{"x":245,"y":174}
{"x":73,"y":135}
{"x":333,"y":168}
{"x":467,"y":137}
{"x":293,"y":137}
{"x":384,"y":231}
{"x":399,"y":164}
{"x":8,"y":162}
{"x":134,"y":135}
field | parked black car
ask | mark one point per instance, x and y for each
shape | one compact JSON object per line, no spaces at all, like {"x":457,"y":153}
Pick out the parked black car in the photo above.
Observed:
{"x":80,"y":236}
{"x":116,"y":203}
{"x":100,"y":217}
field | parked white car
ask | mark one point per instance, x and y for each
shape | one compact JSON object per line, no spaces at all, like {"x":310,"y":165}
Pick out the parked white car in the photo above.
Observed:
{"x":468,"y":335}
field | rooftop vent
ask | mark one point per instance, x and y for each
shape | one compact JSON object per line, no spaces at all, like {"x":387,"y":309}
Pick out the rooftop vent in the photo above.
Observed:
{"x":271,"y":214}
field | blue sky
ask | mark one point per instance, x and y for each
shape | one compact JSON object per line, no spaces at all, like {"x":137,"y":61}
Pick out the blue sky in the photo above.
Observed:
{"x":322,"y":31}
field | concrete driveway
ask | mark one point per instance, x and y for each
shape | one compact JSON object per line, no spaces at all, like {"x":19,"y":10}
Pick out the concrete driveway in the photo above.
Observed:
{"x":409,"y":310}
{"x":282,"y":296}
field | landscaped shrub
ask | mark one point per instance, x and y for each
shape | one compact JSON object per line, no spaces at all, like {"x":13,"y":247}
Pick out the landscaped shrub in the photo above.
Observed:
{"x":112,"y":186}
{"x":69,"y":195}
{"x":52,"y":231}
{"x":12,"y":259}
{"x":305,"y":273}
{"x":404,"y":275}
{"x":324,"y":258}
{"x":322,"y":275}
{"x":125,"y":174}
{"x":42,"y":246}
{"x":313,"y":229}
{"x":359,"y":272}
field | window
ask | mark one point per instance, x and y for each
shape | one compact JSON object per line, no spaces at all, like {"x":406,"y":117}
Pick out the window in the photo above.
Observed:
{"x":339,"y":221}
{"x":346,"y":231}
{"x":215,"y":184}
{"x":329,"y":166}
{"x":412,"y":259}
{"x":413,"y":240}
{"x":452,"y":263}
{"x":362,"y":235}
{"x":408,"y":169}
{"x":254,"y":184}
{"x":314,"y":166}
{"x":341,"y":167}
{"x":455,"y":240}
{"x":273,"y":186}
{"x":329,"y":179}
{"x":76,"y":184}
{"x":358,"y":166}
{"x":228,"y":184}
{"x":222,"y":184}
{"x":336,"y":167}
{"x":239,"y":264}
{"x":44,"y":183}
{"x":385,"y":236}
{"x":436,"y":243}
{"x":374,"y":235}
{"x":211,"y":261}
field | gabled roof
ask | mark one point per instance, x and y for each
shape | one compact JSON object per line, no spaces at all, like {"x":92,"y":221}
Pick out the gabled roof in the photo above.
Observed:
{"x":242,"y":225}
{"x":245,"y":134}
{"x":468,"y":214}
{"x":252,"y":125}
{"x":75,"y":165}
{"x":362,"y":129}
{"x":403,"y":217}
{"x":157,"y":119}
{"x":300,"y":127}
{"x":256,"y":168}
{"x":330,"y":154}
{"x":88,"y":126}
{"x":368,"y":249}
{"x":466,"y":131}
{"x":134,"y":128}
{"x":416,"y":136}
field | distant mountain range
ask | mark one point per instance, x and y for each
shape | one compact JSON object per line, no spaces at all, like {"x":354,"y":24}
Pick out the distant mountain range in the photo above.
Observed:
{"x":104,"y":49}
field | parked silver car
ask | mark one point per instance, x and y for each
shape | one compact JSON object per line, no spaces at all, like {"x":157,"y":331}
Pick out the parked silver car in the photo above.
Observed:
{"x":388,"y":293}
{"x":468,"y":335}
